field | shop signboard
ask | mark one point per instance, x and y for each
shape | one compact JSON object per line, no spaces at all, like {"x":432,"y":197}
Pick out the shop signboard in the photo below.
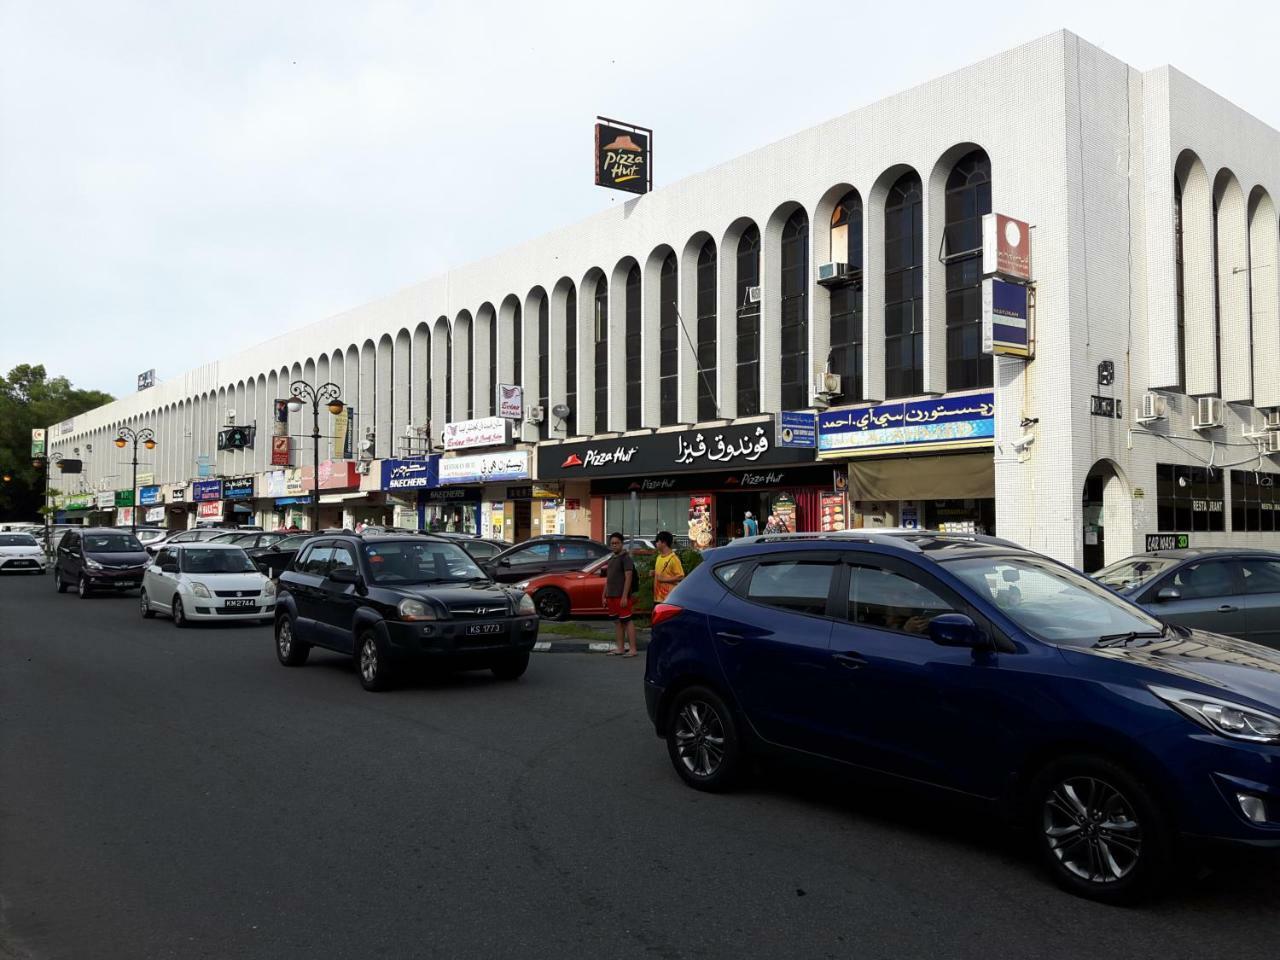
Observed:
{"x":105,"y":500}
{"x":510,"y":401}
{"x":738,"y":446}
{"x":797,"y":429}
{"x":294,"y":485}
{"x":125,"y":517}
{"x":146,"y":479}
{"x":453,"y":495}
{"x":124,"y":498}
{"x":237,"y":488}
{"x":149,"y":495}
{"x":552,"y":517}
{"x":273,"y":484}
{"x":410,"y":474}
{"x":943,"y":423}
{"x":784,"y":508}
{"x":155,"y":515}
{"x":482,"y":468}
{"x":146,"y":379}
{"x":1006,"y":318}
{"x":342,"y":433}
{"x":204,"y":491}
{"x":831,"y":506}
{"x":773,"y":478}
{"x":623,"y":157}
{"x":67,"y":426}
{"x":175,"y":493}
{"x":702,"y":531}
{"x":1006,"y":247}
{"x":280,"y":421}
{"x":482,"y":432}
{"x":1168,"y":541}
{"x":37,"y":442}
{"x":209,"y":510}
{"x":339,"y":475}
{"x":545,"y":491}
{"x":280,"y":451}
{"x":78,"y":501}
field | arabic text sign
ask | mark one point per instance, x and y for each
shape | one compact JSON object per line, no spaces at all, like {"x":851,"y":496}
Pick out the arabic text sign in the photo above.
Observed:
{"x":480,"y":468}
{"x":149,"y":495}
{"x":410,"y":474}
{"x":947,"y":422}
{"x":797,"y":429}
{"x":204,"y":491}
{"x":483,"y":432}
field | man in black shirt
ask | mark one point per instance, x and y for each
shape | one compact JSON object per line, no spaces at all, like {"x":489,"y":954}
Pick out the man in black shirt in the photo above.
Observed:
{"x":619,"y":587}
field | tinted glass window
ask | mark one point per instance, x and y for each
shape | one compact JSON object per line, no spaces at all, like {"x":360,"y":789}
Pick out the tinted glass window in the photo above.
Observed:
{"x":1261,"y":576}
{"x":17,"y":540}
{"x":165,"y":556}
{"x":728,"y":573}
{"x":316,"y":560}
{"x":293,"y":543}
{"x":535,"y":553}
{"x":887,"y":600}
{"x":481,"y":550}
{"x":1133,"y":572}
{"x":799,"y":585}
{"x":1204,"y":579}
{"x":111,"y":543}
{"x":343,"y":558}
{"x":575,"y":551}
{"x":204,"y":560}
{"x":420,"y":562}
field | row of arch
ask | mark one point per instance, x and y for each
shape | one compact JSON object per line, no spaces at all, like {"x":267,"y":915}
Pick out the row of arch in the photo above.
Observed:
{"x":688,"y":334}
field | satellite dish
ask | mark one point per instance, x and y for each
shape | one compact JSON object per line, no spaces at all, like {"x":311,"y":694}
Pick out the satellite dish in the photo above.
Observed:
{"x":561,"y":411}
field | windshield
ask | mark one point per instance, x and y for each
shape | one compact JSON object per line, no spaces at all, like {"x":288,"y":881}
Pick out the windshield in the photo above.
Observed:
{"x":111,"y":543}
{"x":17,"y":540}
{"x":228,"y":537}
{"x":1133,"y":572}
{"x":405,"y":561}
{"x":292,"y":543}
{"x":1051,"y":602}
{"x":205,"y":560}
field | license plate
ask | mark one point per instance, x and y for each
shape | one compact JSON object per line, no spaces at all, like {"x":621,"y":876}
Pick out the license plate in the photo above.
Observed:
{"x":240,"y":603}
{"x":483,"y":629}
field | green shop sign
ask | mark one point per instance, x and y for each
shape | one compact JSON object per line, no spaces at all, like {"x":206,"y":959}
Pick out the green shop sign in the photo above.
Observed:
{"x":124,"y":498}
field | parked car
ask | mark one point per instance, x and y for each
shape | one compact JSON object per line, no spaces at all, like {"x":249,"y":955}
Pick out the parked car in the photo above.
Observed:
{"x":387,"y":599}
{"x":196,"y":535}
{"x":147,"y":535}
{"x":21,"y":553}
{"x":481,"y":549}
{"x":541,"y":555}
{"x":568,"y":593}
{"x":1230,"y":591}
{"x":972,"y":664}
{"x":640,"y":546}
{"x":206,"y":581}
{"x":272,"y":558}
{"x":99,"y":558}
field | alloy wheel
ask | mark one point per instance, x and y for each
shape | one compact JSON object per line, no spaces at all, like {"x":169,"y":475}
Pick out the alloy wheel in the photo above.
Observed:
{"x":699,"y":734}
{"x":551,"y":605}
{"x":1092,"y":829}
{"x":369,"y":660}
{"x":83,"y":588}
{"x":284,"y":638}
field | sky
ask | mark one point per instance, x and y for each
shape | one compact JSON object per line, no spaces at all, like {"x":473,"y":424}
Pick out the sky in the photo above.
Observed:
{"x":181,"y":181}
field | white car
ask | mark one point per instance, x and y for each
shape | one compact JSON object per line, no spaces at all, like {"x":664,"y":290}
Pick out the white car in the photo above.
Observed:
{"x":194,"y":535}
{"x":206,"y":581}
{"x":21,"y":553}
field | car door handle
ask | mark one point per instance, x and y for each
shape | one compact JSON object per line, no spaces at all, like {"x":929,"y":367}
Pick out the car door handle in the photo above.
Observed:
{"x":1227,"y":608}
{"x":850,"y":661}
{"x":730,"y":638}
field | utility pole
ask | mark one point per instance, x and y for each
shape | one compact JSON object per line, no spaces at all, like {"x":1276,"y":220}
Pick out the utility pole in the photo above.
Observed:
{"x":147,"y":438}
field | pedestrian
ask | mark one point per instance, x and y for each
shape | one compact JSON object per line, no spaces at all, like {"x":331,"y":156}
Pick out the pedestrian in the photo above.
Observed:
{"x":619,"y":589}
{"x":771,"y":525}
{"x":667,"y":569}
{"x":749,"y":526}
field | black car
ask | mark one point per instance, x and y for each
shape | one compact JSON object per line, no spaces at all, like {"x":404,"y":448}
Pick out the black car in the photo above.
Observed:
{"x":482,"y":549}
{"x":387,"y":599}
{"x":543,"y":555}
{"x":99,"y":558}
{"x":272,"y":557}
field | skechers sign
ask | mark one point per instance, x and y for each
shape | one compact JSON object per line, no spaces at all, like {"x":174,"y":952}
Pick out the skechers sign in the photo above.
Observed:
{"x":946,"y":423}
{"x":410,"y":474}
{"x":740,"y":445}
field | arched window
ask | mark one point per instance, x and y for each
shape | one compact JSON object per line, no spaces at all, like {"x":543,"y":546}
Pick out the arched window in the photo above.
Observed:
{"x":968,"y":198}
{"x":706,"y":300}
{"x":632,"y":355}
{"x":846,"y":299}
{"x":904,"y":289}
{"x":795,"y":311}
{"x":448,"y":373}
{"x":544,"y":372}
{"x":517,"y":345}
{"x":571,"y":360}
{"x":493,"y":361}
{"x":601,"y":317}
{"x":1181,"y":287}
{"x":668,"y":342}
{"x":748,"y":300}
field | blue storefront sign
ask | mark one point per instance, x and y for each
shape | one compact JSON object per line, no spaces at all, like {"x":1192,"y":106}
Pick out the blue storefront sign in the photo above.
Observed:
{"x":237,"y":488}
{"x":411,"y":474}
{"x":1006,"y":318}
{"x":945,"y":423}
{"x":203,"y":491}
{"x":797,"y":429}
{"x":147,"y":496}
{"x":291,"y":501}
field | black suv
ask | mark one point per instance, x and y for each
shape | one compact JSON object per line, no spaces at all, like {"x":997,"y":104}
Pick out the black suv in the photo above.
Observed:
{"x":539,"y":555}
{"x":99,"y":558}
{"x":390,"y":598}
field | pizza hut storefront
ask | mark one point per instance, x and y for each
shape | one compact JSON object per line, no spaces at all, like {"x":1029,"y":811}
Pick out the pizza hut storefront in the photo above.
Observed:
{"x":698,"y":483}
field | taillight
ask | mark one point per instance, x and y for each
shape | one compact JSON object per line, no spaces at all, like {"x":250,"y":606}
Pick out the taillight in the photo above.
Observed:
{"x":663,"y":612}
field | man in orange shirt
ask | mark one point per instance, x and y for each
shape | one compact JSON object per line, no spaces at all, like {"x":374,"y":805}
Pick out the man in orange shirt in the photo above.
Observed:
{"x":667,"y":569}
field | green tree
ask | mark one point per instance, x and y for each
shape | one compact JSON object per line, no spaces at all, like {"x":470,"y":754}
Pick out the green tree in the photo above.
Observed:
{"x":30,"y":399}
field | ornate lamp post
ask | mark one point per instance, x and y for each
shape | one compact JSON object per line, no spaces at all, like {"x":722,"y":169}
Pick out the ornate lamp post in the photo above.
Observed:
{"x":329,"y":394}
{"x":49,"y":460}
{"x":147,"y":438}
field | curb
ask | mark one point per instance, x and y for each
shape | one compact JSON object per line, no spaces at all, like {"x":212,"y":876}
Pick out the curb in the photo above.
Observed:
{"x":579,"y":646}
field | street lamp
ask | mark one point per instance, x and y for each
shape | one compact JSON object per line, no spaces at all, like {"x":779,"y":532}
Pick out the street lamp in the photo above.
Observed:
{"x":329,"y":394}
{"x":147,"y":438}
{"x":49,"y":461}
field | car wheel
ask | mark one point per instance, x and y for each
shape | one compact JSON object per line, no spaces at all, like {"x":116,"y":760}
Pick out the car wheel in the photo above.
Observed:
{"x":702,"y":740}
{"x":552,"y":603}
{"x":511,"y":667}
{"x":82,"y":588}
{"x":290,"y":651}
{"x":147,"y":612}
{"x":179,"y":615}
{"x":1099,"y":832}
{"x":372,"y":663}
{"x":58,"y":582}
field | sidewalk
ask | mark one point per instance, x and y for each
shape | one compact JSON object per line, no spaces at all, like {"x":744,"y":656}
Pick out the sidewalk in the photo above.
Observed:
{"x":582,"y":636}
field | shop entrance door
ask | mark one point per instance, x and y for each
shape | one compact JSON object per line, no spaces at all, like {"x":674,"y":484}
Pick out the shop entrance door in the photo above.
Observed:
{"x":732,"y":509}
{"x":523,"y":520}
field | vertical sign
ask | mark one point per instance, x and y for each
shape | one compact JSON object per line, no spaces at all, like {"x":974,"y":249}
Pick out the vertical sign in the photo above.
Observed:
{"x":37,"y":442}
{"x":146,"y":379}
{"x":831,"y":503}
{"x":1006,"y":247}
{"x":1006,"y":318}
{"x":623,"y":156}
{"x":280,"y":451}
{"x":701,"y":532}
{"x":510,"y":401}
{"x":280,"y":424}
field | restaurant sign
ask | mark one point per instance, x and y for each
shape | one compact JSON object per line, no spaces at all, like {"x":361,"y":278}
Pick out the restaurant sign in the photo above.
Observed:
{"x":944,"y":423}
{"x":481,"y":468}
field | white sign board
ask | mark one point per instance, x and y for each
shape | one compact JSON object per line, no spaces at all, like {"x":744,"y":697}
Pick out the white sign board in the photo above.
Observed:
{"x":510,"y":401}
{"x":484,"y":432}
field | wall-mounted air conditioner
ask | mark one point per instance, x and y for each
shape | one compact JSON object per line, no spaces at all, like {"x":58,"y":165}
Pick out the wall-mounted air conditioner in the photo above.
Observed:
{"x":535,"y":414}
{"x":1272,"y":419}
{"x":1270,"y":443}
{"x":1208,"y":413}
{"x":832,"y":273}
{"x":1153,"y":407}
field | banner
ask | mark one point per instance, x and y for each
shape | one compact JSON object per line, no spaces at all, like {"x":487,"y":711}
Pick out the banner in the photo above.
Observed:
{"x":784,"y":509}
{"x":155,"y":515}
{"x":944,"y":423}
{"x":482,"y":432}
{"x":1006,"y":247}
{"x":623,"y":158}
{"x":341,"y":448}
{"x":148,"y":495}
{"x":797,"y":429}
{"x":832,"y":509}
{"x":210,"y":511}
{"x":702,"y":533}
{"x":280,"y":452}
{"x":237,"y":488}
{"x":37,"y":442}
{"x":510,"y":401}
{"x":204,"y":491}
{"x":410,"y":474}
{"x":480,"y":468}
{"x":124,"y":498}
{"x":105,"y":500}
{"x":1006,"y":315}
{"x":280,"y":425}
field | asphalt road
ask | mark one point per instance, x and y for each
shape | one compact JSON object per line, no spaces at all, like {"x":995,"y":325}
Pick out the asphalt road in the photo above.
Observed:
{"x":169,"y":793}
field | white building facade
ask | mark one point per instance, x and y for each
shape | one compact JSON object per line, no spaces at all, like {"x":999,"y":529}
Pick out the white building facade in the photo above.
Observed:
{"x":1155,"y":250}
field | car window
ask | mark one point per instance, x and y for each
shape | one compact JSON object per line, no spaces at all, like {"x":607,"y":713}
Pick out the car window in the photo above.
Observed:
{"x":1261,"y":576}
{"x":889,"y":601}
{"x":226,"y":538}
{"x":164,"y":556}
{"x":267,"y":539}
{"x":343,"y":558}
{"x":409,"y":561}
{"x":481,"y":550}
{"x":1133,"y":572}
{"x":211,"y":560}
{"x":534,"y":553}
{"x":70,"y":540}
{"x":316,"y":560}
{"x":800,"y":585}
{"x":112,"y":543}
{"x":17,"y":540}
{"x":1205,"y":578}
{"x":293,"y":543}
{"x":727,"y":573}
{"x":571,"y":550}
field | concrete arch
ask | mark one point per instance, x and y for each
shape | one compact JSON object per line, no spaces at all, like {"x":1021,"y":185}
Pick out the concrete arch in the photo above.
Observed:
{"x":873,"y":215}
{"x":563,"y":377}
{"x":368,"y":392}
{"x":440,"y":349}
{"x":772,"y":356}
{"x":384,"y":375}
{"x":655,"y":308}
{"x":420,"y":376}
{"x":510,"y":320}
{"x":593,"y":390}
{"x":464,"y":378}
{"x":484,"y":357}
{"x":537,"y":306}
{"x":402,"y":384}
{"x":698,"y":335}
{"x":1231,"y":236}
{"x":1199,"y":323}
{"x":1107,"y":513}
{"x":627,"y":377}
{"x":351,"y":390}
{"x":1264,"y":288}
{"x":740,"y":318}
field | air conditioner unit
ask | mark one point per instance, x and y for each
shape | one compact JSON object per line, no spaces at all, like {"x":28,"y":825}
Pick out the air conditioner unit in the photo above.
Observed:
{"x":1272,"y":419}
{"x":753,"y":294}
{"x":824,"y":385}
{"x":1208,"y":413}
{"x":1270,"y":443}
{"x":832,"y":272}
{"x":231,"y":418}
{"x":1154,"y":407}
{"x":534,"y":414}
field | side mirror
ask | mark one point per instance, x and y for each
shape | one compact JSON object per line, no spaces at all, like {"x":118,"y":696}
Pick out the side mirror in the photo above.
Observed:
{"x":1169,"y":593}
{"x":956,"y":630}
{"x":344,"y":575}
{"x":504,"y":562}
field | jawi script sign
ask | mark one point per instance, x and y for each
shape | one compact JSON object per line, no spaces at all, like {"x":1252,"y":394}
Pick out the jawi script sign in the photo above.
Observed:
{"x":623,"y":157}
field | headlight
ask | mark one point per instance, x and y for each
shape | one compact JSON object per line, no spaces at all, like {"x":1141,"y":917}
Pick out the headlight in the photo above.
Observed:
{"x":92,"y":564}
{"x":1222,"y":716}
{"x":415,"y":610}
{"x":522,"y":586}
{"x":525,"y":607}
{"x":269,"y":589}
{"x":200,"y":590}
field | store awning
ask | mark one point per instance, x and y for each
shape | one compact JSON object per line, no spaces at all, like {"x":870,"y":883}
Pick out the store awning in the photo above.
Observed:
{"x":960,"y":476}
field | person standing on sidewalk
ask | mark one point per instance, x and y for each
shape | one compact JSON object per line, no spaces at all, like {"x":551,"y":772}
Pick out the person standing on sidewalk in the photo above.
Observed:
{"x":667,"y":569}
{"x":619,"y":588}
{"x":750,"y":527}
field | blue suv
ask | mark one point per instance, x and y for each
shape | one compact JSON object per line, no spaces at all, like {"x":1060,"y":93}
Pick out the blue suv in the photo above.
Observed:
{"x":975,"y":665}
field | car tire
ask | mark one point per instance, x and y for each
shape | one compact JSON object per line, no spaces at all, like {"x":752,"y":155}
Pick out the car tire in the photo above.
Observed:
{"x":703,"y":741}
{"x":145,"y":604}
{"x":373,"y":666}
{"x":58,"y":583}
{"x":511,"y":666}
{"x":1125,"y":849}
{"x":290,"y":651}
{"x":179,"y":614}
{"x":552,"y":603}
{"x":82,"y":588}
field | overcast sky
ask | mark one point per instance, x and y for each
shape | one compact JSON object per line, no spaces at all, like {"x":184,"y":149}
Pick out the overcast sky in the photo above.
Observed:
{"x":178,"y":181}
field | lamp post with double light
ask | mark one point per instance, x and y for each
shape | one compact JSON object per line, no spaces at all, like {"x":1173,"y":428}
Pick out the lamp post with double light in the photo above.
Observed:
{"x":49,"y":460}
{"x":330,"y":394}
{"x":147,"y":438}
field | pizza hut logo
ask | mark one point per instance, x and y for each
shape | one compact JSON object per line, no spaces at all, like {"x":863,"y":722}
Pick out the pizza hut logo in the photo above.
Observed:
{"x":573,"y":460}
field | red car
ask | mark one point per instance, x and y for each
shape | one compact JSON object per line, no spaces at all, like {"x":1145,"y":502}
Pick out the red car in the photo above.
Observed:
{"x":568,"y":593}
